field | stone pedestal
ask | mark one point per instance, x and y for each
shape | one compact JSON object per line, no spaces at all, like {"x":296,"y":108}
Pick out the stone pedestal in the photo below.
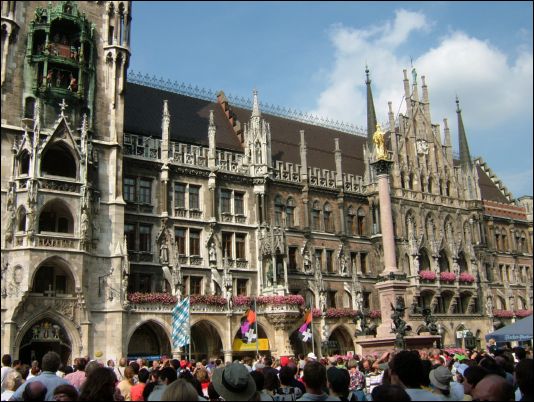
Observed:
{"x":368,"y":345}
{"x":388,"y":292}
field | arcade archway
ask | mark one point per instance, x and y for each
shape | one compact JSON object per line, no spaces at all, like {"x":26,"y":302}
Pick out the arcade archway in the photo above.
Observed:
{"x":242,"y":348}
{"x":149,"y":339}
{"x":339,"y":343}
{"x":44,"y":336}
{"x":205,"y":341}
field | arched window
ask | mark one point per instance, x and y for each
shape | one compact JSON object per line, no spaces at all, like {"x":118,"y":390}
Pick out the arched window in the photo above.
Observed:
{"x":448,"y":188}
{"x":440,"y":187}
{"x":422,"y":182}
{"x":52,"y":279}
{"x":29,"y":103}
{"x":316,"y":216}
{"x":361,"y":221}
{"x":309,"y":298}
{"x":410,"y":181}
{"x":465,"y":298}
{"x":21,"y":220}
{"x":351,"y":220}
{"x":327,"y":216}
{"x":24,"y":163}
{"x":290,"y":212}
{"x":500,"y":303}
{"x":56,"y":217}
{"x":521,"y":303}
{"x":403,"y":184}
{"x":347,"y":300}
{"x":57,"y":160}
{"x":462,"y":263}
{"x":424,"y":261}
{"x":278,"y":208}
{"x":430,"y":185}
{"x":443,"y":262}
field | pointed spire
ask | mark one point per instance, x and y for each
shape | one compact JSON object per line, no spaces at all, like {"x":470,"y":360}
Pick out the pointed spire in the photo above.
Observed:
{"x":63,"y":106}
{"x":465,"y":156}
{"x":165,"y":131}
{"x":371,"y":115}
{"x":211,"y":140}
{"x":255,"y":104}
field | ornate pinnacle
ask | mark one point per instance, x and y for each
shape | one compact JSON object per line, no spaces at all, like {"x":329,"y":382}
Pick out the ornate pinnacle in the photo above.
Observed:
{"x":212,"y":119}
{"x":63,"y":106}
{"x":255,"y":104}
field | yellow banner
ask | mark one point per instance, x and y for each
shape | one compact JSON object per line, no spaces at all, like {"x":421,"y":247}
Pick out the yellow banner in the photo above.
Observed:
{"x":240,"y":346}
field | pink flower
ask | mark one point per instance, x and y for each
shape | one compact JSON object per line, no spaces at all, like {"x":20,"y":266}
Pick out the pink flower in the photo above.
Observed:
{"x":340,"y":312}
{"x":375,"y":314}
{"x":211,"y":300}
{"x":522,"y":313}
{"x":427,"y":275}
{"x":466,"y":277}
{"x":316,"y":312}
{"x":503,"y":313}
{"x":447,"y":276}
{"x":145,"y":298}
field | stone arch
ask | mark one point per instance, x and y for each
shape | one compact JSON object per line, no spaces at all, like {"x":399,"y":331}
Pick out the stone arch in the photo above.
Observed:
{"x":447,"y":297}
{"x":521,"y":303}
{"x":21,"y":219}
{"x":145,"y":332}
{"x":405,"y":264}
{"x":443,"y":262}
{"x":462,"y":262}
{"x":70,"y":328}
{"x":464,"y":300}
{"x":58,"y":159}
{"x":59,"y":265}
{"x":430,"y":226}
{"x":500,"y":302}
{"x":342,"y":335}
{"x":56,"y":216}
{"x":424,"y":260}
{"x":264,"y":332}
{"x":303,"y":348}
{"x":426,"y":298}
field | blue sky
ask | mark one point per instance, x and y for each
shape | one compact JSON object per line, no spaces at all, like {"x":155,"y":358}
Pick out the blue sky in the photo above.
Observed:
{"x":311,"y":56}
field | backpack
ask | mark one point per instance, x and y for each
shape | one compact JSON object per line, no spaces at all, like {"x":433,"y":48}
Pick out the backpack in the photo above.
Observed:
{"x":287,"y":394}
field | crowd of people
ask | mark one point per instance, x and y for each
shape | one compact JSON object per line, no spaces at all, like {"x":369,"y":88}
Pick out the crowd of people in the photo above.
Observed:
{"x":416,"y":375}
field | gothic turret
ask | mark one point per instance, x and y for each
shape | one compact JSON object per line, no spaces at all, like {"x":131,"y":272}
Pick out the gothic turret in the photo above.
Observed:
{"x":258,"y":141}
{"x":371,"y":115}
{"x":465,"y":156}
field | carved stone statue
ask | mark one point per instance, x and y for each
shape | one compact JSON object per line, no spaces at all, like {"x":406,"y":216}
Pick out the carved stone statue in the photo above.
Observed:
{"x":397,"y":316}
{"x":85,"y":226}
{"x":358,"y":300}
{"x":430,"y":321}
{"x":367,"y":327}
{"x":269,"y":275}
{"x":380,"y":145}
{"x":164,"y":253}
{"x":4,"y":267}
{"x":307,"y":261}
{"x":489,"y":306}
{"x":212,"y":253}
{"x":342,"y":262}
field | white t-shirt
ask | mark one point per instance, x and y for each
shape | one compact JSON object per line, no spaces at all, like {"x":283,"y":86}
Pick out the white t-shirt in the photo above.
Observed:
{"x":5,"y":371}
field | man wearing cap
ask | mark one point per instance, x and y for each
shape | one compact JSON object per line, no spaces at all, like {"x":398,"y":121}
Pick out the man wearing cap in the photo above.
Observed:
{"x":457,"y":387}
{"x":440,"y":379}
{"x":233,"y":382}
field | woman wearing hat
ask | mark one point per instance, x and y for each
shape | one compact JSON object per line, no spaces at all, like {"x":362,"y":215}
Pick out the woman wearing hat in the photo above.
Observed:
{"x":440,"y":379}
{"x":233,"y":382}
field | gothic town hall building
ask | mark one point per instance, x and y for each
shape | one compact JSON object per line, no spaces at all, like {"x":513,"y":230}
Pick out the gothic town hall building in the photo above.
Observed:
{"x":120,"y":194}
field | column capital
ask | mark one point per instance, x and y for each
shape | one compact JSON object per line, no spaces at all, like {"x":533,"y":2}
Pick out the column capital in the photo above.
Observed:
{"x":382,"y":166}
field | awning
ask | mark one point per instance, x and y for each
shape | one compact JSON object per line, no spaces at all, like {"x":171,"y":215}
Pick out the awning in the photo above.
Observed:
{"x":520,"y":331}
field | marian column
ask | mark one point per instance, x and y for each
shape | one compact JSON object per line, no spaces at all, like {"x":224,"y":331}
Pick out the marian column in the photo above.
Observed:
{"x":392,"y":283}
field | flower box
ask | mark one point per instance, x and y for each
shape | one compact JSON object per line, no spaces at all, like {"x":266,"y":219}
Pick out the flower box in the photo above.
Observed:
{"x":375,"y":314}
{"x":316,"y":312}
{"x":466,"y":277}
{"x":211,"y":300}
{"x":522,"y":313}
{"x":447,"y":276}
{"x":151,"y":298}
{"x":297,"y":300}
{"x":503,"y":313}
{"x":427,"y":275}
{"x":340,"y":312}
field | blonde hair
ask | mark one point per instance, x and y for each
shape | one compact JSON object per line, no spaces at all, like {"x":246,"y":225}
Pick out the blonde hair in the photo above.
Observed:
{"x":13,"y":380}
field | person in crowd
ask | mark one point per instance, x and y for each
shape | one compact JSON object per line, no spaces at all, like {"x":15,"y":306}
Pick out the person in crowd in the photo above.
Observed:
{"x":180,"y":390}
{"x":259,"y":380}
{"x":127,"y":382}
{"x":390,"y":393}
{"x":143,"y":363}
{"x":136,"y":392}
{"x":233,"y":382}
{"x":100,"y":385}
{"x":295,"y":378}
{"x":67,"y":369}
{"x":48,"y":377}
{"x":472,"y":376}
{"x":339,"y":382}
{"x":457,"y":386}
{"x":315,"y":381}
{"x":166,"y":376}
{"x":493,"y":387}
{"x":357,"y":379}
{"x":524,"y":379}
{"x":202,"y":376}
{"x":247,"y":361}
{"x":136,"y":367}
{"x":405,"y":370}
{"x":78,"y":377}
{"x":12,"y":382}
{"x":110,"y":363}
{"x":6,"y":369}
{"x":287,"y":391}
{"x":440,"y":379}
{"x":34,"y":370}
{"x":119,"y":370}
{"x":24,"y":371}
{"x":213,"y":395}
{"x":151,"y":384}
{"x":272,"y":383}
{"x":34,"y":392}
{"x":190,"y":378}
{"x":66,"y":393}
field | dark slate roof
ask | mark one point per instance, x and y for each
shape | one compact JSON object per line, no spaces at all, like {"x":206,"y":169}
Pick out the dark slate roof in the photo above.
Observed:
{"x":488,"y":190}
{"x":190,"y":119}
{"x":143,"y":112}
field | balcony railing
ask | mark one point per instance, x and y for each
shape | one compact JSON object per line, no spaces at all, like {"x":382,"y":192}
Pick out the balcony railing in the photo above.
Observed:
{"x":57,"y":241}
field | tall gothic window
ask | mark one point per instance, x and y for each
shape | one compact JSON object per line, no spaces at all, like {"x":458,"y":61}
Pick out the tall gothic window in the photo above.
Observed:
{"x":361,"y":221}
{"x":351,"y":221}
{"x":316,"y":216}
{"x":278,"y":208}
{"x":290,"y":212}
{"x":327,"y":216}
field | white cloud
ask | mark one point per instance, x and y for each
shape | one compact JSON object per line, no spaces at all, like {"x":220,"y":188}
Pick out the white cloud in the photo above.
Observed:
{"x":491,"y":87}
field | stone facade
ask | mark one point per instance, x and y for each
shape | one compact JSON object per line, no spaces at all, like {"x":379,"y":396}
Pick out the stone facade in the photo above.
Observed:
{"x":98,"y":209}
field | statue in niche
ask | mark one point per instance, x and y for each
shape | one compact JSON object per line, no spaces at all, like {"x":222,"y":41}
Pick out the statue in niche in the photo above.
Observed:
{"x":84,"y":225}
{"x":307,"y":261}
{"x":358,"y":300}
{"x":212,"y":253}
{"x":269,"y":274}
{"x":164,"y":253}
{"x":342,"y":263}
{"x":4,"y":267}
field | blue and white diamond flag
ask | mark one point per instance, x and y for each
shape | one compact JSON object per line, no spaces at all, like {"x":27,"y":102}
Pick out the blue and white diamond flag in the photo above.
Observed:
{"x":180,"y":323}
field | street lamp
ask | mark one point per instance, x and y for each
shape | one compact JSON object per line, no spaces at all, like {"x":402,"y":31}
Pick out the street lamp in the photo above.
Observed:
{"x":469,"y":340}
